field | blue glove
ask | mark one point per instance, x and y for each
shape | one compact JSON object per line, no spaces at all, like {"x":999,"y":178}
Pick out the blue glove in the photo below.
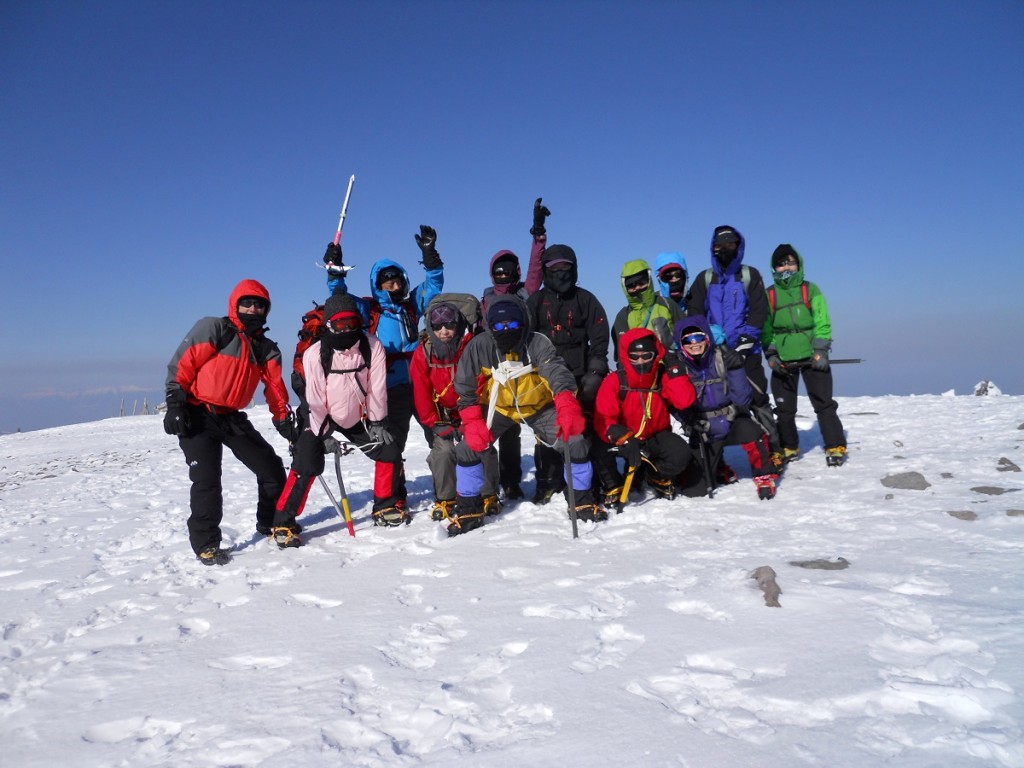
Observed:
{"x":717,"y":335}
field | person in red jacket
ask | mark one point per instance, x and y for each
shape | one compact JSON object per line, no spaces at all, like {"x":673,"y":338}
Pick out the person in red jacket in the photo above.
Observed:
{"x":632,"y":412}
{"x":212,"y":376}
{"x":436,"y":401}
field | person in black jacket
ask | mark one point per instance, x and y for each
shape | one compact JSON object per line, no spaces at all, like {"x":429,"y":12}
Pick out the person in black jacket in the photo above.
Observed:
{"x":577,"y":325}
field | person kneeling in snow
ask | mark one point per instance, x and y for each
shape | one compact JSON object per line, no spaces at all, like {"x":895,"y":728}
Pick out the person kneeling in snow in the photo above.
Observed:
{"x":520,"y":377}
{"x":720,"y":415}
{"x":346,"y":373}
{"x":632,"y":414}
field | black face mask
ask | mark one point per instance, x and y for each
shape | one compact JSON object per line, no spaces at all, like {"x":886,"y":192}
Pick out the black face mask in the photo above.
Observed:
{"x":508,"y":341}
{"x":253,"y":324}
{"x":560,"y":280}
{"x":341,"y":341}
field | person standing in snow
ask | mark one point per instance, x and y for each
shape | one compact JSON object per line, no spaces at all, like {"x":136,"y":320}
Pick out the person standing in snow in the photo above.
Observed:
{"x":346,"y":389}
{"x":392,"y":313}
{"x":632,"y":415}
{"x":644,"y":307}
{"x":719,"y":415}
{"x":798,"y":338}
{"x":575,"y":322}
{"x":732,"y":297}
{"x":509,"y":374}
{"x":506,"y":279}
{"x":672,"y":273}
{"x":211,"y":377}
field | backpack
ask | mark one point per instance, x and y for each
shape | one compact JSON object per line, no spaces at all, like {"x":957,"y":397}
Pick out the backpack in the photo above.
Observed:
{"x":709,"y":275}
{"x":311,"y":330}
{"x":468,"y":306}
{"x":803,"y":295}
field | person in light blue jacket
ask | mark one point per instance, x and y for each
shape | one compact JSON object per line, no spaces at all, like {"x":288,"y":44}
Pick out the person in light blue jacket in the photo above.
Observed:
{"x":672,"y":273}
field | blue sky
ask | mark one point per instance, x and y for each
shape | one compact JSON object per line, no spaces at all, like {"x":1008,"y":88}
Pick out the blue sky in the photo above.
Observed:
{"x":153,"y":154}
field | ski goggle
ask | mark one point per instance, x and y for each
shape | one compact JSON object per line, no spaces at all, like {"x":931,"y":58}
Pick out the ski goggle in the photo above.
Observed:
{"x":253,"y":301}
{"x":695,"y":338}
{"x":453,"y":325}
{"x":641,"y":357}
{"x":345,"y":324}
{"x":506,"y":325}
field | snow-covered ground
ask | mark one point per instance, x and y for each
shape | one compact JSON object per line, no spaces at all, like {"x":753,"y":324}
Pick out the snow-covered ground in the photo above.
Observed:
{"x":644,"y":643}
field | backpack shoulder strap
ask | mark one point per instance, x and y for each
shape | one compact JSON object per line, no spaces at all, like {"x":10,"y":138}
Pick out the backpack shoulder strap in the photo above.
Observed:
{"x":804,"y":294}
{"x":771,"y":297}
{"x":745,"y":277}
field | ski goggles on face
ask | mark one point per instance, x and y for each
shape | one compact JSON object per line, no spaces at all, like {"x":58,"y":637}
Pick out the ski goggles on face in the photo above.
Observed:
{"x":673,"y":275}
{"x":641,"y":357}
{"x":253,"y":301}
{"x":506,"y":325}
{"x":453,"y":325}
{"x":345,"y":324}
{"x":695,"y":338}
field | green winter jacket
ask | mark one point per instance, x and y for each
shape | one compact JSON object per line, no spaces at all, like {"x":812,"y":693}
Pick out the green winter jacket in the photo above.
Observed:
{"x":791,"y":327}
{"x":647,"y":310}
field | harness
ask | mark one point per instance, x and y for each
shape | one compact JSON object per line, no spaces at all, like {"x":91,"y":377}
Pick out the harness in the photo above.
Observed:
{"x":624,"y":388}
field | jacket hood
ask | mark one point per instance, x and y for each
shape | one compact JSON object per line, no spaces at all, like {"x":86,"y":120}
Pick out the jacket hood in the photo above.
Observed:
{"x":633,"y":378}
{"x":247,"y":287}
{"x":447,"y":350}
{"x":505,"y":299}
{"x":383,"y":297}
{"x":669,"y":259}
{"x":735,"y":264}
{"x":646,"y":297}
{"x":798,"y":276}
{"x":508,"y":287}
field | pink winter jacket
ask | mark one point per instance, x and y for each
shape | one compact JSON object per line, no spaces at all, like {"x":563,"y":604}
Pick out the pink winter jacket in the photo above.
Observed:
{"x":340,"y":397}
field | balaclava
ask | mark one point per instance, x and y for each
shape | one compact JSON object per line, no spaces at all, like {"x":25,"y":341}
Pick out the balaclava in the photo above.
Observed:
{"x":339,"y":307}
{"x":442,"y":314}
{"x":505,"y":270}
{"x":393,"y":273}
{"x":643,"y":344}
{"x":677,"y":289}
{"x":253,"y":324}
{"x":559,"y":281}
{"x":507,"y":339}
{"x":725,"y":245}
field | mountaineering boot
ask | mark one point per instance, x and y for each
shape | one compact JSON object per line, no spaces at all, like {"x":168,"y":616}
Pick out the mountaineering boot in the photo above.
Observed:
{"x":492,"y":506}
{"x":663,"y":488}
{"x":442,"y":509}
{"x":268,"y":530}
{"x":512,"y":491}
{"x":213,"y":556}
{"x":545,"y":492}
{"x":835,"y":456}
{"x":285,"y":539}
{"x":391,"y":516}
{"x":612,"y":500}
{"x":587,"y":510}
{"x":790,"y":454}
{"x":725,"y":475}
{"x":778,"y":461}
{"x":765,"y":486}
{"x":467,"y":515}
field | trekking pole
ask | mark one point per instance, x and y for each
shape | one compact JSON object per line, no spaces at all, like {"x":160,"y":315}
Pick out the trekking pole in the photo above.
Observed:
{"x":705,"y":460}
{"x":570,"y":491}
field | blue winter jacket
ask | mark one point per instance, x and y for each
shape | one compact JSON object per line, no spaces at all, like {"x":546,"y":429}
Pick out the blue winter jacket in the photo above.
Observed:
{"x":717,"y":388}
{"x":671,"y":259}
{"x":398,"y":326}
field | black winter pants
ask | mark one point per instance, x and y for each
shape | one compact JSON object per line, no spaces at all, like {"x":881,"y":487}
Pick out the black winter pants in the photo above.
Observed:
{"x":204,"y":451}
{"x":819,"y":390}
{"x":666,"y":450}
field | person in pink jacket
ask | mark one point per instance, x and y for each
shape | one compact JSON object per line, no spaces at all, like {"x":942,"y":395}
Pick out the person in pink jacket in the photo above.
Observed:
{"x":346,"y":388}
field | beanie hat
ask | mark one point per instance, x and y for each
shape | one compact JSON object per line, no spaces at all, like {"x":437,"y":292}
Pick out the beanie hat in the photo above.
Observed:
{"x":782,"y":253}
{"x":340,"y":305}
{"x":443,"y":313}
{"x":503,"y":312}
{"x":643,"y":344}
{"x":559,"y":254}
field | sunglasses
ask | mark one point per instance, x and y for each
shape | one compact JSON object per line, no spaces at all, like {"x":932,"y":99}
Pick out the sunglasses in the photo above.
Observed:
{"x":506,"y":325}
{"x":673,"y":276}
{"x":695,"y":338}
{"x":641,"y":357}
{"x":790,"y":262}
{"x":344,"y":325}
{"x":253,"y":301}
{"x":449,"y":326}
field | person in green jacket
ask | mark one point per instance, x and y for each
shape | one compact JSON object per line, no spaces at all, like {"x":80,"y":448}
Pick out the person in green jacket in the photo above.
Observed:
{"x":645,"y":307}
{"x":797,"y":338}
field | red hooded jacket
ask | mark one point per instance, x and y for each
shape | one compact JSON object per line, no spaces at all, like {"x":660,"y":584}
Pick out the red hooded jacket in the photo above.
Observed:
{"x":219,"y":366}
{"x":645,"y":408}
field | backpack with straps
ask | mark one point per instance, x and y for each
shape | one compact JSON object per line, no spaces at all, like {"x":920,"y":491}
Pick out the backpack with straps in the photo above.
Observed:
{"x":709,"y":275}
{"x":803,"y":295}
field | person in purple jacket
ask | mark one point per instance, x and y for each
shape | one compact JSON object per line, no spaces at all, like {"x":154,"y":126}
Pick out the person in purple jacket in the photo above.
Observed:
{"x":506,"y":280}
{"x":720,"y":415}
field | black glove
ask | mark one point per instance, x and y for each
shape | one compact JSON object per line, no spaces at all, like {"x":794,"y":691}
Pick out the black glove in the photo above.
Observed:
{"x":819,"y":361}
{"x":774,"y":361}
{"x":426,"y":240}
{"x":378,"y":432}
{"x":589,"y":385}
{"x":332,"y":256}
{"x":629,"y":449}
{"x":309,"y":455}
{"x":287,"y":428}
{"x":444,"y":430}
{"x":732,"y":358}
{"x":745,"y":343}
{"x":540,"y":212}
{"x":176,"y":421}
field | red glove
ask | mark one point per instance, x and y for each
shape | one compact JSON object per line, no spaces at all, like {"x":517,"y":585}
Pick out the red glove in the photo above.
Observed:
{"x":474,"y":429}
{"x":569,"y":415}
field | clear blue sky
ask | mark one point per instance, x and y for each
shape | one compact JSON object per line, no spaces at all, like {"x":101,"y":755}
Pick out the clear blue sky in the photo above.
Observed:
{"x":155,"y":153}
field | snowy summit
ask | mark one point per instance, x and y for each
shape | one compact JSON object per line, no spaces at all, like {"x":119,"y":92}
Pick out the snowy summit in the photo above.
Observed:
{"x":648,"y":641}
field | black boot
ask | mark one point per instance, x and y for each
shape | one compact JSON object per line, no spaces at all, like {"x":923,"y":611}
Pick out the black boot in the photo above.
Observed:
{"x":468,"y":514}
